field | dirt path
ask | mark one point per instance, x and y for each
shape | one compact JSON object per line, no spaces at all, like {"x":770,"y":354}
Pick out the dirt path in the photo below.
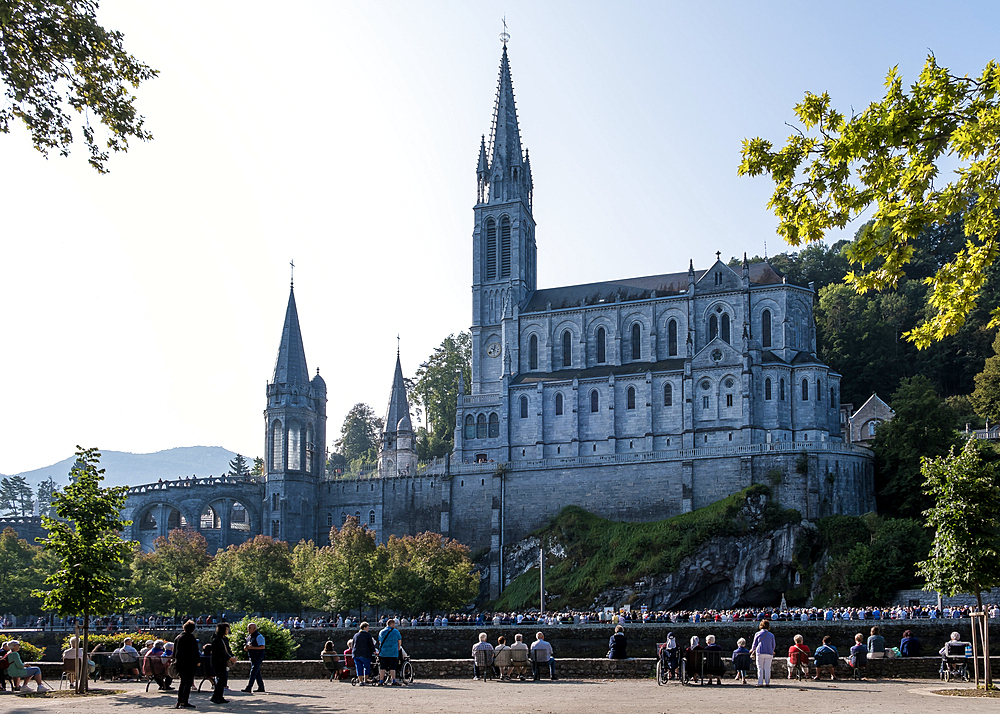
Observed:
{"x":572,"y":696}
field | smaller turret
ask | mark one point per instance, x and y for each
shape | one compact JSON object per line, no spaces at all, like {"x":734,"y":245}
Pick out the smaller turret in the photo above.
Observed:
{"x":397,"y":455}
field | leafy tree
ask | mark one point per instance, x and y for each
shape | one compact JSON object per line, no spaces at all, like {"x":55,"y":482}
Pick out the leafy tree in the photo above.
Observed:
{"x":429,"y":572}
{"x":986,"y":397}
{"x":359,"y":435}
{"x":255,"y":576}
{"x":46,"y":493}
{"x":16,"y":496}
{"x":23,"y":568}
{"x":923,"y":426}
{"x":347,"y":569}
{"x":436,"y":392}
{"x":169,"y":579}
{"x":965,"y":556}
{"x":86,"y":539}
{"x":280,"y":644}
{"x":335,"y":463}
{"x":56,"y":59}
{"x":834,"y":169}
{"x":238,"y":466}
{"x":307,"y":562}
{"x":258,"y":468}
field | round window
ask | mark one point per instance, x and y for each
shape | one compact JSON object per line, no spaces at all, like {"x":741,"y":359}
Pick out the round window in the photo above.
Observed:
{"x":706,"y":385}
{"x":729,"y":383}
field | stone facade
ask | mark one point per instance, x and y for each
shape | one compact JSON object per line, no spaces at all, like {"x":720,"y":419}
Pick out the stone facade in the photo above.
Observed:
{"x":864,"y":421}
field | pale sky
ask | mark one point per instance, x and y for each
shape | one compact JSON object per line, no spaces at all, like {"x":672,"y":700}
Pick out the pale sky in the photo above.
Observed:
{"x":142,"y":310}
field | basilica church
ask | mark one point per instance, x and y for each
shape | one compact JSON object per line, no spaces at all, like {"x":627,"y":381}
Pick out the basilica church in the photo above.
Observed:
{"x":637,"y":399}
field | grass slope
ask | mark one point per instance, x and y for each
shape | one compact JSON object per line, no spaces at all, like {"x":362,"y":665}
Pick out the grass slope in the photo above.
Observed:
{"x":602,"y":554}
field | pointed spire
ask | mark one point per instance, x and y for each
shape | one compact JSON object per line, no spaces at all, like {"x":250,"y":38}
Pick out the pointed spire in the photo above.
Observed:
{"x":290,"y":367}
{"x":399,"y":405}
{"x":483,"y":168}
{"x":505,"y":155}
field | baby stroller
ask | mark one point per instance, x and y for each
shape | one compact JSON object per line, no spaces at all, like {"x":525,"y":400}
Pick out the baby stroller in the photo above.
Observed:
{"x":667,"y":662}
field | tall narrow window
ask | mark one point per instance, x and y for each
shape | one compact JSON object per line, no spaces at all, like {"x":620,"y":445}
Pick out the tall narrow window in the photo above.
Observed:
{"x":819,"y":390}
{"x":309,"y":449}
{"x":533,"y":352}
{"x":505,"y":247}
{"x":630,"y":398}
{"x":668,"y":395}
{"x":481,"y":427}
{"x":494,"y":425}
{"x":594,"y":401}
{"x":725,"y":327}
{"x":567,"y":349}
{"x":713,"y":328}
{"x":371,"y":518}
{"x":729,"y":400}
{"x":294,"y":447}
{"x":805,"y":390}
{"x":767,"y":389}
{"x":833,"y":398}
{"x":672,"y":337}
{"x":636,"y":342}
{"x":704,"y":402}
{"x":559,"y":403}
{"x":765,"y":328}
{"x":524,"y":407}
{"x":601,"y":348}
{"x":277,"y":447}
{"x":781,"y":389}
{"x":491,"y":249}
{"x":470,"y":426}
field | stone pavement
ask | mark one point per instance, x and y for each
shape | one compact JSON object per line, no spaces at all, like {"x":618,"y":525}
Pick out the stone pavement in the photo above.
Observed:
{"x":572,"y":696}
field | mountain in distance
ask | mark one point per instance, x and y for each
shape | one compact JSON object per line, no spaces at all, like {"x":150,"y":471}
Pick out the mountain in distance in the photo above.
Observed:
{"x":126,"y":469}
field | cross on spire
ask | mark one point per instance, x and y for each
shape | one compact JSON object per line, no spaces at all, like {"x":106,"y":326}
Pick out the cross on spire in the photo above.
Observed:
{"x":504,"y":36}
{"x":397,"y":345}
{"x":718,"y":255}
{"x":292,"y":263}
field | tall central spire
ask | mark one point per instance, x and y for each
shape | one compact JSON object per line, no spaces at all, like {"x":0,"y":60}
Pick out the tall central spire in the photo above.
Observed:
{"x":507,"y":176}
{"x":290,"y":367}
{"x":399,"y":405}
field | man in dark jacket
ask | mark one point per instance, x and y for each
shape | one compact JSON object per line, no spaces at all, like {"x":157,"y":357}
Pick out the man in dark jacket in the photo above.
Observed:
{"x":222,"y":656}
{"x":364,"y":647}
{"x":186,"y":657}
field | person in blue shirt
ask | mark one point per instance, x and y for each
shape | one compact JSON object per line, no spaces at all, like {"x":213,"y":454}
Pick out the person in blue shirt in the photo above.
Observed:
{"x":741,"y":660}
{"x":388,"y":651}
{"x":763,"y":647}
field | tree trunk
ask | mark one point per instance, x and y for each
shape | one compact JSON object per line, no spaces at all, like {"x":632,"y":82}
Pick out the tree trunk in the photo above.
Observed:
{"x":82,"y":682}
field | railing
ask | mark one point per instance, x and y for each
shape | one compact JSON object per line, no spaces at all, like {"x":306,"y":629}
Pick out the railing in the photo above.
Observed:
{"x":468,"y":399}
{"x":189,"y":482}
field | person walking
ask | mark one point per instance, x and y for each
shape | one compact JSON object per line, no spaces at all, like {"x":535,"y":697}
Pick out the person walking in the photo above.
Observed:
{"x":388,"y":652}
{"x":186,"y":657}
{"x":222,"y":658}
{"x":255,"y":648}
{"x":763,"y":650}
{"x":363,"y":647}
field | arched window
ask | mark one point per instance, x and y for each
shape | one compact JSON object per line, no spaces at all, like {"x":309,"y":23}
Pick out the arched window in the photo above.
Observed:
{"x":805,"y":390}
{"x":594,"y":401}
{"x":533,"y":352}
{"x":781,"y":389}
{"x":309,"y":449}
{"x":833,"y":397}
{"x":559,"y":403}
{"x":209,"y":520}
{"x":357,"y":514}
{"x":725,"y":327}
{"x":494,"y":425}
{"x":672,"y":337}
{"x":148,"y":522}
{"x":470,"y":427}
{"x":819,"y":390}
{"x":630,"y":398}
{"x":871,"y":427}
{"x":343,"y":518}
{"x":371,"y":518}
{"x":601,"y":348}
{"x":491,"y":249}
{"x":274,"y":502}
{"x":713,"y":328}
{"x":294,"y":447}
{"x":505,"y":247}
{"x":765,"y":328}
{"x":277,"y":447}
{"x":636,"y":341}
{"x":239,"y":519}
{"x":567,"y":349}
{"x":481,"y":427}
{"x":329,"y":520}
{"x":524,"y":407}
{"x":668,"y":395}
{"x":767,"y":389}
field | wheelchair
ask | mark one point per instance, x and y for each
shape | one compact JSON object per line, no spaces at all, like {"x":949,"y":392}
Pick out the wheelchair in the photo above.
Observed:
{"x":953,"y":663}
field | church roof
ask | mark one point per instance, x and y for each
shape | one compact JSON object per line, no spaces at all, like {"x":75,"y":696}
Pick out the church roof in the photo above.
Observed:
{"x":399,"y":405}
{"x":290,"y":367}
{"x":505,"y":137}
{"x":601,"y":371}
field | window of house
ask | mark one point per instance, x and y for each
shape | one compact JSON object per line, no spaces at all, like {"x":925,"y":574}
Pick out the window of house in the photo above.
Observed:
{"x":559,"y":404}
{"x":470,"y":426}
{"x":668,"y":395}
{"x":275,"y":529}
{"x":833,"y":397}
{"x":371,"y":518}
{"x":704,"y":402}
{"x":329,"y":520}
{"x":601,"y":347}
{"x":505,"y":247}
{"x":277,"y":447}
{"x":533,"y":352}
{"x":765,"y":328}
{"x":494,"y":425}
{"x":524,"y":407}
{"x":672,"y":337}
{"x":491,"y":249}
{"x":713,"y":327}
{"x":630,"y":398}
{"x":343,"y":518}
{"x":636,"y":342}
{"x":725,"y":327}
{"x":819,"y":390}
{"x":805,"y":390}
{"x":594,"y":401}
{"x":481,"y":427}
{"x":567,"y":349}
{"x":767,"y":389}
{"x":729,"y":400}
{"x":274,"y":502}
{"x":781,"y":389}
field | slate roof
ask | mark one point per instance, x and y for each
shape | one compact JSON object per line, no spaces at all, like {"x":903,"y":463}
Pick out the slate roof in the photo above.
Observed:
{"x":290,"y":366}
{"x":399,"y":405}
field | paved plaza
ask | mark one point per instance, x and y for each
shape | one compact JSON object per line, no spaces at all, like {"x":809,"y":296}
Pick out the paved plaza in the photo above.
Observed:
{"x":566,"y":695}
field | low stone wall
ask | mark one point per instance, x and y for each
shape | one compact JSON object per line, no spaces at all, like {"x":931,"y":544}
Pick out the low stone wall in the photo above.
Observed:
{"x":568,"y":668}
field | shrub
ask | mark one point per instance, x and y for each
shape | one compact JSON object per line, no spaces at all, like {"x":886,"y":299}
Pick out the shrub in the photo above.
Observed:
{"x":30,"y":653}
{"x":278,"y":640}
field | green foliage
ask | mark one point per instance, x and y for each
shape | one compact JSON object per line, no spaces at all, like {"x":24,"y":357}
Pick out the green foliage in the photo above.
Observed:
{"x":111,"y":641}
{"x":23,"y":569}
{"x":169,"y":579}
{"x":31,"y":653}
{"x":254,"y":576}
{"x":86,"y":540}
{"x":775,"y":476}
{"x":965,"y":557}
{"x":429,"y":572}
{"x":238,"y":466}
{"x":258,"y":468}
{"x":436,"y":392}
{"x":277,"y":640}
{"x":601,"y":554}
{"x":55,"y":61}
{"x":46,"y":494}
{"x":834,"y":169}
{"x":923,"y":426}
{"x":16,"y":496}
{"x":986,"y":397}
{"x":360,"y":435}
{"x":816,"y":263}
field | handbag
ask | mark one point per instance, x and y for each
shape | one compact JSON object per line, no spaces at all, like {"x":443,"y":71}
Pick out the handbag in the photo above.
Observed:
{"x":172,"y":670}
